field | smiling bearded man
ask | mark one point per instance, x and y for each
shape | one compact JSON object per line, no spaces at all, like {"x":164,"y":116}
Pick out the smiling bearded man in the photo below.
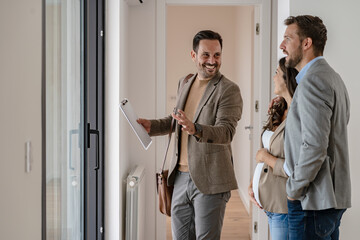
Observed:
{"x":201,"y":170}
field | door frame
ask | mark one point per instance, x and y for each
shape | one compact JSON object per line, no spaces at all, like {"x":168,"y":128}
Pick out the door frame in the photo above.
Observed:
{"x":92,"y":23}
{"x":94,"y":124}
{"x":261,"y":72}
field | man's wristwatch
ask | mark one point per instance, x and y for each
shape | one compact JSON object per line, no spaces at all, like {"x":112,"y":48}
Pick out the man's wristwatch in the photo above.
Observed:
{"x":198,"y":129}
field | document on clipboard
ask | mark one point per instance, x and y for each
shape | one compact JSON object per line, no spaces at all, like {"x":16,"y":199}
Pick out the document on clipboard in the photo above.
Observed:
{"x":131,"y":117}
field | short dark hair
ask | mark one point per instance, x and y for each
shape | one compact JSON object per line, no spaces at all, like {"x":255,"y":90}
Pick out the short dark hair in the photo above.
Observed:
{"x":205,"y":34}
{"x":312,"y":27}
{"x":277,"y":110}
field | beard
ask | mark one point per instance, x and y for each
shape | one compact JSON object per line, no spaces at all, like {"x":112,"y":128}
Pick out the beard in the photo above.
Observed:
{"x":293,"y":61}
{"x":208,"y":73}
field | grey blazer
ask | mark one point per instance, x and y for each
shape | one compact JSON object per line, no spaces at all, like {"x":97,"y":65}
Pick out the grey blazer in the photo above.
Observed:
{"x":316,"y":142}
{"x":272,"y":182}
{"x":210,"y":157}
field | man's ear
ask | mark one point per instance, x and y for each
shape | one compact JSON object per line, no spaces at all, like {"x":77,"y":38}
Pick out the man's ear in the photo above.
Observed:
{"x":193,"y":55}
{"x":307,"y":43}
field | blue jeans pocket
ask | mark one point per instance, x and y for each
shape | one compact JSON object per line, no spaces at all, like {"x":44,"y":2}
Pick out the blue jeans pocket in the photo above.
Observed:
{"x":326,"y":221}
{"x":324,"y":225}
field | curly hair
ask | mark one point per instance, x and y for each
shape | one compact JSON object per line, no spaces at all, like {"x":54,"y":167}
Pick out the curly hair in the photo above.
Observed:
{"x":276,"y":112}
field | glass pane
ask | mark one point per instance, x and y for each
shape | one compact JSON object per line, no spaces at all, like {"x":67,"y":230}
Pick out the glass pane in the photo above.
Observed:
{"x":64,"y":119}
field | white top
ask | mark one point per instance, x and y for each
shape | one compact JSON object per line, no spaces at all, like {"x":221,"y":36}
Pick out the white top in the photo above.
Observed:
{"x":266,"y":142}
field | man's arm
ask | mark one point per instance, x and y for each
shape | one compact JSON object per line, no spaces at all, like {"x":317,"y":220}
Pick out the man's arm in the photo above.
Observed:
{"x":156,"y":127}
{"x":228,"y":114}
{"x":315,"y":101}
{"x":186,"y":124}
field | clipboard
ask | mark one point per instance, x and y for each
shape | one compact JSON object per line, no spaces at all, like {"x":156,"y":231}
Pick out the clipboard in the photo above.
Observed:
{"x":131,"y":117}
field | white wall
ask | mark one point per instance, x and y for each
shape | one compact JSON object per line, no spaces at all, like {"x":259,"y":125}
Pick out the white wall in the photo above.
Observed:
{"x":141,"y":84}
{"x":115,"y":143}
{"x":20,"y":106}
{"x":342,"y":51}
{"x":280,"y":11}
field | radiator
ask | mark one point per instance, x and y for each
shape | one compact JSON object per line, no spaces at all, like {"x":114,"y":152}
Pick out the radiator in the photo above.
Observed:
{"x":135,"y":204}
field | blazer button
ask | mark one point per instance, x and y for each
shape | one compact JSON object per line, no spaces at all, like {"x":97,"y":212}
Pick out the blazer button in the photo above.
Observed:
{"x":265,"y":170}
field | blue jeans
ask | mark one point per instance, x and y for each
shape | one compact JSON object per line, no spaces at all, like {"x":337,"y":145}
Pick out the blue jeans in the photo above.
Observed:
{"x":313,"y":224}
{"x":278,"y":224}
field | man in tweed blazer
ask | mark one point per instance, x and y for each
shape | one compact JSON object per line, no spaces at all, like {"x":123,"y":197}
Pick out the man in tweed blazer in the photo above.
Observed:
{"x":209,"y":107}
{"x":316,"y":143}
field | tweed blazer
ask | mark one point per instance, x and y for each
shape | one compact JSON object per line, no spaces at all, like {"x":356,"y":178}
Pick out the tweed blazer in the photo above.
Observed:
{"x":210,"y":159}
{"x":272,"y":183}
{"x":316,"y":141}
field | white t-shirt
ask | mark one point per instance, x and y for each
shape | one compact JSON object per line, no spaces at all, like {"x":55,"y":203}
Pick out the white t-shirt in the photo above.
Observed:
{"x":265,"y":141}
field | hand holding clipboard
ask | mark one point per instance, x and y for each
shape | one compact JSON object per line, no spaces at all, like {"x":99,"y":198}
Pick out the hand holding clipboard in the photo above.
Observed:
{"x":131,"y":117}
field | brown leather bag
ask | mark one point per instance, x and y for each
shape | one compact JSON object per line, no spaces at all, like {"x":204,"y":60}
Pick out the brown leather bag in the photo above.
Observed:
{"x":165,"y":192}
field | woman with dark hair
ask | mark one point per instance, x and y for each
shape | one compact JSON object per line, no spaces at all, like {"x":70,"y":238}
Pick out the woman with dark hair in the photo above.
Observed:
{"x":268,"y":188}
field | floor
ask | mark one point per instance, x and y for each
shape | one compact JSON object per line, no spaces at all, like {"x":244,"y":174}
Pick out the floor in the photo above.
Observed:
{"x":236,"y":222}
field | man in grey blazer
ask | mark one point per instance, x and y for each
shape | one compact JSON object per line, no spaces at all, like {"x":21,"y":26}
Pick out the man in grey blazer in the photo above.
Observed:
{"x":316,"y":143}
{"x":209,"y":107}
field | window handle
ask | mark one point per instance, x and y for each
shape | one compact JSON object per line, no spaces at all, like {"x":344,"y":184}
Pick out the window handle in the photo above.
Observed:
{"x":97,"y":133}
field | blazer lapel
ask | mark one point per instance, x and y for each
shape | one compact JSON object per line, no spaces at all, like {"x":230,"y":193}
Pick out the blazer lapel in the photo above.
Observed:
{"x":182,"y":96}
{"x":277,"y":131}
{"x":208,"y":92}
{"x":184,"y":92}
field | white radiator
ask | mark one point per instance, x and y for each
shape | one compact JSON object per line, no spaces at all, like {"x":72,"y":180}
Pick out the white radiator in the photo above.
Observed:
{"x":135,"y":204}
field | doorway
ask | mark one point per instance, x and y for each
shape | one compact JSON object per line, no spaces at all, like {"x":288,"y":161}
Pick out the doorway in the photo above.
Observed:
{"x":236,"y":26}
{"x":255,"y":89}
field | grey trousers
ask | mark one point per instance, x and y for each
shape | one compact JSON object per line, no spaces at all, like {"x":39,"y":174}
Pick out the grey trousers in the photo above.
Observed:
{"x":195,"y":215}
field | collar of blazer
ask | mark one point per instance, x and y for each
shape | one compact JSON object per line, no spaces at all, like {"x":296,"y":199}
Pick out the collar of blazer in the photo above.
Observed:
{"x":208,"y":92}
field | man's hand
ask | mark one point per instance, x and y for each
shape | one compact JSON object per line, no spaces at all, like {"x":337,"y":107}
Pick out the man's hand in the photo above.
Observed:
{"x":145,"y":123}
{"x":186,"y":124}
{"x":252,"y":196}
